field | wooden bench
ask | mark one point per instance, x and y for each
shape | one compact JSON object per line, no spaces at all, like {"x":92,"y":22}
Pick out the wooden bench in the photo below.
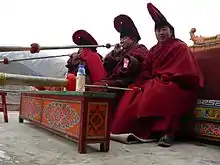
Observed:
{"x":3,"y":107}
{"x":83,"y":117}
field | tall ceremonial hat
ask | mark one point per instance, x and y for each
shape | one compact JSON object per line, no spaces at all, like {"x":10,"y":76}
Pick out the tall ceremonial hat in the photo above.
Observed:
{"x":82,"y":37}
{"x":159,"y":18}
{"x":126,"y":27}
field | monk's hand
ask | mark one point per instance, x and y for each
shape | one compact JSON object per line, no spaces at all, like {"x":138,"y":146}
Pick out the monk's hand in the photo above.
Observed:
{"x":117,"y":48}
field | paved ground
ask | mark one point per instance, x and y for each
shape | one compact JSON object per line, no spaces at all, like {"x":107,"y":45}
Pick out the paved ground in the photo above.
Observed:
{"x":24,"y":144}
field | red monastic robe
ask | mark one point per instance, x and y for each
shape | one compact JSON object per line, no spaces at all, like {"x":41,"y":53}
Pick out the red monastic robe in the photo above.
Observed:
{"x":93,"y":62}
{"x":169,"y":80}
{"x":95,"y":70}
{"x":119,"y":76}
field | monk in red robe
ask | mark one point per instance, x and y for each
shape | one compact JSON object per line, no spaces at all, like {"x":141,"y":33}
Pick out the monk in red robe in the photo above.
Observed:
{"x":123,"y":63}
{"x":169,"y":81}
{"x":88,"y":56}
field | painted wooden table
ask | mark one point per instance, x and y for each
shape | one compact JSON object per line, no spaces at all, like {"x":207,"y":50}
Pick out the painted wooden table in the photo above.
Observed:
{"x":83,"y":117}
{"x":207,"y":124}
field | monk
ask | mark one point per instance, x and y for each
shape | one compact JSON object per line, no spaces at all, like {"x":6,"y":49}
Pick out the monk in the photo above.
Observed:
{"x":87,"y":56}
{"x":123,"y":63}
{"x":169,"y":80}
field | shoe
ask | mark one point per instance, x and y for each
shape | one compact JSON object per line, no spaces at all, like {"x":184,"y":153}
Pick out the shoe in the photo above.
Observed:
{"x":165,"y":141}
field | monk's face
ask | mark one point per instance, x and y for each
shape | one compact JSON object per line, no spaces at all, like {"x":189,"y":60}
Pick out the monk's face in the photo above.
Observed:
{"x":70,"y":62}
{"x":126,"y":42}
{"x":163,"y":34}
{"x":80,"y":50}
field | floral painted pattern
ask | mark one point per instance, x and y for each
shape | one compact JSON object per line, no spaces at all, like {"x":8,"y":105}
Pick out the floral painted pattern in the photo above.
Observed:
{"x":61,"y":115}
{"x":208,"y":129}
{"x":30,"y":107}
{"x":97,"y":123}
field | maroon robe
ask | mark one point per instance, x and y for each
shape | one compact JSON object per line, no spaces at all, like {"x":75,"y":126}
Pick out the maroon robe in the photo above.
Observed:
{"x":119,"y":76}
{"x":169,"y":80}
{"x":93,"y":64}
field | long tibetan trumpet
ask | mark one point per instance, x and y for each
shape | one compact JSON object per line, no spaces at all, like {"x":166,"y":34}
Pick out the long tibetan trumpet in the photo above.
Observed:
{"x":8,"y":61}
{"x":35,"y":48}
{"x":26,"y":80}
{"x":15,"y":79}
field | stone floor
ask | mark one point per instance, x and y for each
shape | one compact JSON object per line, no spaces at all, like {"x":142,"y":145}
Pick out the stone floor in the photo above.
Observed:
{"x":25,"y":144}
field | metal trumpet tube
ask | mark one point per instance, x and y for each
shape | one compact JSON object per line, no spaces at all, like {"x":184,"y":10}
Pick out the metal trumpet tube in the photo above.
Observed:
{"x":8,"y":61}
{"x":38,"y":47}
{"x":15,"y":79}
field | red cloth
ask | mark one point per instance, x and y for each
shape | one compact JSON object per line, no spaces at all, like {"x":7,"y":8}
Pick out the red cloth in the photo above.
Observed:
{"x":71,"y":86}
{"x":95,"y":68}
{"x":113,"y":63}
{"x":116,"y":74}
{"x":169,"y":81}
{"x":94,"y":65}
